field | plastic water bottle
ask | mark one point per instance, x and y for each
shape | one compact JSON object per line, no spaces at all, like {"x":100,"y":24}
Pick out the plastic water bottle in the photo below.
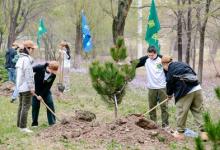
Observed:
{"x":190,"y":133}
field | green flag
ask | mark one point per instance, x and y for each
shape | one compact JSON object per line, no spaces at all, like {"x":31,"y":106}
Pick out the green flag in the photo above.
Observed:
{"x":153,"y":26}
{"x":41,"y":31}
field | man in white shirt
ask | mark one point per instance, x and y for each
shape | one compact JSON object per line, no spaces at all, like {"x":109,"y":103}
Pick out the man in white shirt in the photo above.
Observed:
{"x":156,"y":83}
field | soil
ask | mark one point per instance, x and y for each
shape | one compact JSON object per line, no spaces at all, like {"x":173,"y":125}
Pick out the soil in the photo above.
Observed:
{"x":6,"y":88}
{"x":124,"y":131}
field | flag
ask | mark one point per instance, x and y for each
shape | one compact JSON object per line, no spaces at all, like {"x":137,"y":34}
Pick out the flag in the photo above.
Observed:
{"x":153,"y":26}
{"x":86,"y":36}
{"x":41,"y":31}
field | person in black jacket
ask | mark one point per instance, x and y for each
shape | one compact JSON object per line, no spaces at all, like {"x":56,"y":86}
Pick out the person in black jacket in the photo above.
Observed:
{"x":44,"y":78}
{"x":9,"y":64}
{"x":182,"y":82}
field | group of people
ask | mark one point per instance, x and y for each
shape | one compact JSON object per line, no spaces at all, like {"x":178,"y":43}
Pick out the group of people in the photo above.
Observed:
{"x":33,"y":83}
{"x":165,"y":79}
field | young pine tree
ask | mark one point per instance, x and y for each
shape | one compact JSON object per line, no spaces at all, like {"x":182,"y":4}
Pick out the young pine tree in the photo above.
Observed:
{"x":110,"y":79}
{"x":212,"y":128}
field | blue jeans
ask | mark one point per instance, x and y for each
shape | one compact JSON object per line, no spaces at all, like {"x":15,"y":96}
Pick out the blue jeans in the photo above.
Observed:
{"x":15,"y":94}
{"x":11,"y":74}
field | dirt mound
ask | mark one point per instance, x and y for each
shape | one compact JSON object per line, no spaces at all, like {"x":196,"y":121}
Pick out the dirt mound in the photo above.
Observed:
{"x":6,"y":88}
{"x":124,"y":130}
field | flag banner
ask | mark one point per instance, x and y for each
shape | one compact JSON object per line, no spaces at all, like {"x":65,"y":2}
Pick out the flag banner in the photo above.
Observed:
{"x":86,"y":36}
{"x":41,"y":31}
{"x":153,"y":26}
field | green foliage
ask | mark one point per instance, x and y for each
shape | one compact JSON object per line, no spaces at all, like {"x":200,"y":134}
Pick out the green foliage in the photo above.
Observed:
{"x":114,"y":145}
{"x":199,"y":144}
{"x":107,"y":80}
{"x":217,"y":91}
{"x":110,"y":79}
{"x":119,"y":52}
{"x":213,"y":130}
{"x":3,"y":71}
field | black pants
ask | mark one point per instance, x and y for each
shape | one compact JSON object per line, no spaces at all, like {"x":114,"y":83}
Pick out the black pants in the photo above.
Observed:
{"x":36,"y":107}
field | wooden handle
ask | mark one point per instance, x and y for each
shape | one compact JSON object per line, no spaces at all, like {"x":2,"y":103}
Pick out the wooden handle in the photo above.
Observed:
{"x":156,"y":106}
{"x":42,"y":100}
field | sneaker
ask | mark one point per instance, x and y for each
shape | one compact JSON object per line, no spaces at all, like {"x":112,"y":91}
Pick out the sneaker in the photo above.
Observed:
{"x":26,"y":130}
{"x":34,"y":126}
{"x":179,"y":136}
{"x":12,"y":100}
{"x":204,"y":136}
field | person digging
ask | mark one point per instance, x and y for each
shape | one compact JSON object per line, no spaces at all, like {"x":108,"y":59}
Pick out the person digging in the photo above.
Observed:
{"x":182,"y":82}
{"x":44,"y":77}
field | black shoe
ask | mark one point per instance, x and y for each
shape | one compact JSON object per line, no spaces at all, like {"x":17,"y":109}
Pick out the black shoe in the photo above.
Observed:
{"x":13,"y":100}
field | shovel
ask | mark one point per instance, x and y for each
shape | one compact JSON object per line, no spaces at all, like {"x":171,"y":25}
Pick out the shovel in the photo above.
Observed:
{"x":145,"y":123}
{"x":63,"y":121}
{"x":155,"y":107}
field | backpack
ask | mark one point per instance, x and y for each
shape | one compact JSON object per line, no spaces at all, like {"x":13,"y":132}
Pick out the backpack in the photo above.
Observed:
{"x":188,"y":77}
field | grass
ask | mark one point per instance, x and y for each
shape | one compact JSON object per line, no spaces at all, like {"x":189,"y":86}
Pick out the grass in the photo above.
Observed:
{"x":81,"y":96}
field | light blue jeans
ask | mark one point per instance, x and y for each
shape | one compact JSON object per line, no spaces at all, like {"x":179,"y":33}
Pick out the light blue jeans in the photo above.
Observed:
{"x":11,"y":74}
{"x":15,"y":94}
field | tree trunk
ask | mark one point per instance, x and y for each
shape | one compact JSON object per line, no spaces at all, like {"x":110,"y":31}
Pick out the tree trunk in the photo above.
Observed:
{"x":194,"y":51}
{"x":139,"y":26}
{"x":179,"y":32}
{"x":119,"y":20}
{"x":78,"y":46}
{"x":189,"y":31}
{"x":1,"y":39}
{"x":11,"y":35}
{"x":201,"y":53}
{"x":14,"y":14}
{"x":202,"y":39}
{"x":116,"y":106}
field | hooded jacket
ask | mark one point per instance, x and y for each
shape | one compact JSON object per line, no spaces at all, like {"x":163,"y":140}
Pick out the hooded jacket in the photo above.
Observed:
{"x":25,"y":75}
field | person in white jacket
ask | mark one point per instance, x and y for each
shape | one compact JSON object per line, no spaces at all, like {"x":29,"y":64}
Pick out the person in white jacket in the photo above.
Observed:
{"x":25,"y":84}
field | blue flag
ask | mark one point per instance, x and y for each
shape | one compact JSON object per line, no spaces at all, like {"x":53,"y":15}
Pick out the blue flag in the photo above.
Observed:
{"x":86,"y":36}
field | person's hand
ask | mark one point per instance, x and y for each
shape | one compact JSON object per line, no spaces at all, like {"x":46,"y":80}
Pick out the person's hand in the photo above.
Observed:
{"x":39,"y":98}
{"x":32,"y":91}
{"x":169,"y":97}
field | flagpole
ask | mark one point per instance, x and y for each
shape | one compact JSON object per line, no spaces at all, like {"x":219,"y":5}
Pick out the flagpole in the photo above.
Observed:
{"x":139,"y":26}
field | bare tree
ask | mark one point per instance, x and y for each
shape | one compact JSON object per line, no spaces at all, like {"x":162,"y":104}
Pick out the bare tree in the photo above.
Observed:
{"x":202,"y":27}
{"x":189,"y":32}
{"x":179,"y":32}
{"x":17,"y":14}
{"x":119,"y":20}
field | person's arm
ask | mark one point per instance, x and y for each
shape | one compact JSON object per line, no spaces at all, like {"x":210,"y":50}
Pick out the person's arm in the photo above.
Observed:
{"x":47,"y":86}
{"x":39,"y":67}
{"x":169,"y":85}
{"x":142,"y":61}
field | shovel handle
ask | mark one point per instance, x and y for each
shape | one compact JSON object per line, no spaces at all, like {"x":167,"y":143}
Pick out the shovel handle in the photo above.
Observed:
{"x":156,"y":106}
{"x":42,"y":100}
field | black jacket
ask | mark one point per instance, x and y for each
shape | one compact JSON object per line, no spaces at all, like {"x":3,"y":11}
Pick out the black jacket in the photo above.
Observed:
{"x":176,"y":86}
{"x":9,"y":56}
{"x":42,"y":87}
{"x":143,"y":59}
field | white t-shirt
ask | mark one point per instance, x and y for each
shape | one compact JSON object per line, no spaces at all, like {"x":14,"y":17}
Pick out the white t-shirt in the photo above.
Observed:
{"x":155,"y":74}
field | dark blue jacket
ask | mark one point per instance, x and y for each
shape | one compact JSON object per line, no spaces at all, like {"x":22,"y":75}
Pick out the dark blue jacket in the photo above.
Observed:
{"x":176,"y":86}
{"x":9,"y":56}
{"x":42,"y":87}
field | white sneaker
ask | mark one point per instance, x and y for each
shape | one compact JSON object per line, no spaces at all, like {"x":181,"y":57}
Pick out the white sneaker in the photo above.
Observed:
{"x":26,"y":130}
